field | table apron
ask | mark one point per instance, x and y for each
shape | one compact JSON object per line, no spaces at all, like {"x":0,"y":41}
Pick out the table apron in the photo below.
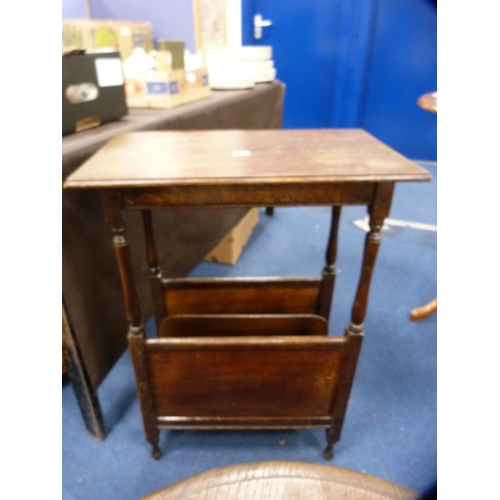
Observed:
{"x":241,"y":195}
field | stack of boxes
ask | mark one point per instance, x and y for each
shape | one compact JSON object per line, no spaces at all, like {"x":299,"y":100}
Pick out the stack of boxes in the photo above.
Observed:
{"x":90,"y":34}
{"x":163,"y":84}
{"x":240,"y":68}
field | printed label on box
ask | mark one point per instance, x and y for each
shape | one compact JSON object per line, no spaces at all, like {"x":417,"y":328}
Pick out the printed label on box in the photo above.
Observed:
{"x":104,"y":38}
{"x":72,"y":37}
{"x":174,"y":87}
{"x":157,"y":87}
{"x":109,"y":71}
{"x":133,"y":89}
{"x":169,"y":88}
{"x":139,"y":40}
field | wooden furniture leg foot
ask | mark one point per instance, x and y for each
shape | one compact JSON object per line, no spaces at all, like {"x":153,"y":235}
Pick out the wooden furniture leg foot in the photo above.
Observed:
{"x":328,"y":451}
{"x":424,"y":311}
{"x":156,"y":452}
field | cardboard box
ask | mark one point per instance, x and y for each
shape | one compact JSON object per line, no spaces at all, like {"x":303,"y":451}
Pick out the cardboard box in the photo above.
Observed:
{"x":155,"y":89}
{"x":230,"y":247}
{"x":92,"y":90}
{"x":177,"y":51}
{"x":93,"y":34}
{"x":166,"y":89}
{"x":195,"y":85}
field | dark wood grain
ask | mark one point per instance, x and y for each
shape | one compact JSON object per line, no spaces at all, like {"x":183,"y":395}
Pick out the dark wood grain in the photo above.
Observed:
{"x":114,"y":215}
{"x":237,"y":325}
{"x":245,"y":376}
{"x":283,"y":157}
{"x":155,"y":271}
{"x":242,"y":296}
{"x":354,"y":342}
{"x":90,"y":284}
{"x":378,"y":210}
{"x":319,"y":192}
{"x":245,"y":353}
{"x":137,"y":347}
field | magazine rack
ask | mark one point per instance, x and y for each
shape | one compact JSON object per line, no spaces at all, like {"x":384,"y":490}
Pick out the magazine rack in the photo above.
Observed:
{"x":253,"y":353}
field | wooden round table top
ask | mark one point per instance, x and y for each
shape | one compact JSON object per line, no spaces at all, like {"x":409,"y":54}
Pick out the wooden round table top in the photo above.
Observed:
{"x":428,"y":102}
{"x":279,"y":480}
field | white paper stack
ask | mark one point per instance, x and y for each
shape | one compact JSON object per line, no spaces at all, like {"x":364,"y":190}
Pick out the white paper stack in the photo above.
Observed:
{"x":240,"y":68}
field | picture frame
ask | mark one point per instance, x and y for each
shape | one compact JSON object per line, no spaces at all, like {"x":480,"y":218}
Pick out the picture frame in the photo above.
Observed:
{"x":210,"y":19}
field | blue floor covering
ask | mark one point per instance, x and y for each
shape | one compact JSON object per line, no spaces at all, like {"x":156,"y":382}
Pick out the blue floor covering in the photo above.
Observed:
{"x":390,"y":425}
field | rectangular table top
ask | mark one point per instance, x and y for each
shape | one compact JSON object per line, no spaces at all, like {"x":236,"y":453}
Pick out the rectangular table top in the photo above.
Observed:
{"x":181,"y":158}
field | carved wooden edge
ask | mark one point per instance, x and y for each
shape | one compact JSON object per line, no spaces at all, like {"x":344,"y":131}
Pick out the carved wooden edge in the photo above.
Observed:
{"x":80,"y":380}
{"x":341,"y":399}
{"x":378,"y":210}
{"x":329,"y":271}
{"x":136,"y":341}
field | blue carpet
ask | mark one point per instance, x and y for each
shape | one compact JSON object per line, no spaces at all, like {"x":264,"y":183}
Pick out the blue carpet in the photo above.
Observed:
{"x":390,"y":426}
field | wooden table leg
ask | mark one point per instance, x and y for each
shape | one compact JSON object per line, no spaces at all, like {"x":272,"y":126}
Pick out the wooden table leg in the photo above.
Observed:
{"x":329,"y":271}
{"x":155,"y":272}
{"x":113,"y":209}
{"x":378,"y":211}
{"x":424,"y":311}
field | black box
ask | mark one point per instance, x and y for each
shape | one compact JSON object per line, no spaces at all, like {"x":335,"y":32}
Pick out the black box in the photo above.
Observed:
{"x":93,"y":90}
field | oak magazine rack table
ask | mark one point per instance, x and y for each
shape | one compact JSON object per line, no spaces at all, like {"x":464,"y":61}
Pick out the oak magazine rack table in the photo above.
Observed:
{"x":244,"y":353}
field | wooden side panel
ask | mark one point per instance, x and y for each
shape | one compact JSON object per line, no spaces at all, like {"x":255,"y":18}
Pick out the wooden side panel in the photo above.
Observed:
{"x":289,"y":377}
{"x":284,"y":192}
{"x":242,"y":296}
{"x":235,"y":325}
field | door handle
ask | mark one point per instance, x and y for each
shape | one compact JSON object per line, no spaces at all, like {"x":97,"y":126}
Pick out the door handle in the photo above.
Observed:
{"x":258,"y":24}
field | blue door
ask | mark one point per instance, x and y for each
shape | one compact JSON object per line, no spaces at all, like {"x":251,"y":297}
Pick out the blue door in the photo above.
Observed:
{"x":354,"y":63}
{"x":303,"y":52}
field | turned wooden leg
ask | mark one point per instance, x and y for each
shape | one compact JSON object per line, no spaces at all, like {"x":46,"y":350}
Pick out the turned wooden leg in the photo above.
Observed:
{"x":328,"y":452}
{"x":424,"y":311}
{"x":156,"y":452}
{"x":378,"y":211}
{"x":136,"y":337}
{"x":137,"y":348}
{"x":155,"y":272}
{"x":329,"y":271}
